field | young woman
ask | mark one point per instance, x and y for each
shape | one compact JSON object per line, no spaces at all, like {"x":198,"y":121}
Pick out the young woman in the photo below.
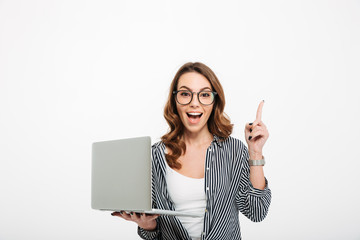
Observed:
{"x":198,"y":167}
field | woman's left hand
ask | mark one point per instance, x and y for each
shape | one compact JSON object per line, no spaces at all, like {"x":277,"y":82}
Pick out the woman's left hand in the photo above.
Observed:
{"x":256,"y":134}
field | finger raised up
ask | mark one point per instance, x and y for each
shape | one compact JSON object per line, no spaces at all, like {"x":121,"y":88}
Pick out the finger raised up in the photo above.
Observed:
{"x":259,"y":111}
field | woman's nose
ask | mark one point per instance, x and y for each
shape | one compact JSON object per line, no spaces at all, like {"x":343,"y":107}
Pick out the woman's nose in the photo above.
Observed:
{"x":195,"y":100}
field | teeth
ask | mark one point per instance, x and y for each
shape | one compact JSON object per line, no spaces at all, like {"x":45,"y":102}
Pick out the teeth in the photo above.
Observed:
{"x":194,"y":114}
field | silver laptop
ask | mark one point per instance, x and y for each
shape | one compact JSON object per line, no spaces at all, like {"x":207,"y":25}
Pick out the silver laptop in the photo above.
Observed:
{"x":121,"y":177}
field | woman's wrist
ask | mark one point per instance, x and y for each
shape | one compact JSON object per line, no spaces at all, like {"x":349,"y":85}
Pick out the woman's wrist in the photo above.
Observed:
{"x":255,"y":155}
{"x":150,"y":227}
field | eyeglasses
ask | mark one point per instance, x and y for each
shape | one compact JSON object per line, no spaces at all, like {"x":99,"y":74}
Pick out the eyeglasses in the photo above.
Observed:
{"x":184,"y":97}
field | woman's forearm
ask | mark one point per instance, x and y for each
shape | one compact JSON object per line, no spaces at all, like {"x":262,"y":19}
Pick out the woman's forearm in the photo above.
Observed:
{"x":257,"y":177}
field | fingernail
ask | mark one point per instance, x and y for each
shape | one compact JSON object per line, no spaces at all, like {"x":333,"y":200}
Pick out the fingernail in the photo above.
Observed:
{"x":250,"y":123}
{"x":250,"y":137}
{"x":250,"y":130}
{"x":121,"y":212}
{"x":131,"y":213}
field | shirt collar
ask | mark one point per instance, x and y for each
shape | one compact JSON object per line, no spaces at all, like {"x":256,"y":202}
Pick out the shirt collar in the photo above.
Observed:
{"x":217,"y":140}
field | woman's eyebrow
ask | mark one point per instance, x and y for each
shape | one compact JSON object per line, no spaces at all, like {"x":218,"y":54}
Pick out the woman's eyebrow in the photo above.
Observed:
{"x":191,"y":90}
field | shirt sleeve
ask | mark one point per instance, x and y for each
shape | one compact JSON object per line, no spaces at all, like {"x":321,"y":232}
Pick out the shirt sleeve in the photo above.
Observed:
{"x":149,"y":235}
{"x":145,"y":234}
{"x":253,"y":203}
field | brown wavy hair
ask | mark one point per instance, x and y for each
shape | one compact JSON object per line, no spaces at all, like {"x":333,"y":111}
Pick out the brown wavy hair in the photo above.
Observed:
{"x":218,"y":123}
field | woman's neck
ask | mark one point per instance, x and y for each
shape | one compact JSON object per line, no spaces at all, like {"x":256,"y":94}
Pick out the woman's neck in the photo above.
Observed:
{"x":198,"y":139}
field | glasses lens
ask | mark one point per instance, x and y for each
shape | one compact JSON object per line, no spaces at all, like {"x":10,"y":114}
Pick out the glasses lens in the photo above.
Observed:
{"x":206,"y":97}
{"x":183,"y":97}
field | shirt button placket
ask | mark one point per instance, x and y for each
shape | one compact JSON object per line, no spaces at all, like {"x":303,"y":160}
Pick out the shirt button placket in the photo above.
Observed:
{"x":207,"y":194}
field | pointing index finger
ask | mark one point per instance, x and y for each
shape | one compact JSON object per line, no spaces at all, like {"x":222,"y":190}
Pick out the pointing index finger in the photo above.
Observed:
{"x":259,"y":111}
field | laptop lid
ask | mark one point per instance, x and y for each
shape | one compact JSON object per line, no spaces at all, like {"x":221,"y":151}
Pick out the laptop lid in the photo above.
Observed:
{"x":121,"y":174}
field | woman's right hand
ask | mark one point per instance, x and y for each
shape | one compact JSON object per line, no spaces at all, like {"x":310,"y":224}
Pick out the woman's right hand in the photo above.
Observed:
{"x":145,"y":221}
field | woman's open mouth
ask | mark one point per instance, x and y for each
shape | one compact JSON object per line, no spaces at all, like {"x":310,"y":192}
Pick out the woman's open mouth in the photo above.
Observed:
{"x":194,"y":117}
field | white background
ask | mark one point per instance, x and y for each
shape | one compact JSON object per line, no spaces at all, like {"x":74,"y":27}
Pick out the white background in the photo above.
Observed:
{"x":76,"y":72}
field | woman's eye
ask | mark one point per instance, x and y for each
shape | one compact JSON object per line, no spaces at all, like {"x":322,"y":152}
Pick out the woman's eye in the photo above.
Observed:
{"x":185,"y":94}
{"x":205,"y":95}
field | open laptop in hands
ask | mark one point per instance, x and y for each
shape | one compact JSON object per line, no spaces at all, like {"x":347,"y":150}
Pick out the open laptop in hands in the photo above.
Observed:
{"x":121,"y":177}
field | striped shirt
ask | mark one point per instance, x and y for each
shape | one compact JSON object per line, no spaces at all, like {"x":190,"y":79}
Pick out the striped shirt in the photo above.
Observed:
{"x":228,"y":190}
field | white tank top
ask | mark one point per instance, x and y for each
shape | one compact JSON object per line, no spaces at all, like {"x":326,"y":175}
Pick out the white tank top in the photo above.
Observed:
{"x":188,"y":195}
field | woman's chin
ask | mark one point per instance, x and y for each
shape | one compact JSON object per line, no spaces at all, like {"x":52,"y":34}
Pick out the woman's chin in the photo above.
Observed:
{"x":194,"y":129}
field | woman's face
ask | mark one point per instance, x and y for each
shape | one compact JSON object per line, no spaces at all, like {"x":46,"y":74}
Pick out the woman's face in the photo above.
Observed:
{"x":189,"y":114}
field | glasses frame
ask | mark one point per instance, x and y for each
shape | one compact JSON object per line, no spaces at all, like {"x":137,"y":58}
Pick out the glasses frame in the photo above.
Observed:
{"x":192,"y":95}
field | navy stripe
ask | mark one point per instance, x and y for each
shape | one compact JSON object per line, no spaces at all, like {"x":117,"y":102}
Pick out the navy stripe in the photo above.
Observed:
{"x":228,"y":191}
